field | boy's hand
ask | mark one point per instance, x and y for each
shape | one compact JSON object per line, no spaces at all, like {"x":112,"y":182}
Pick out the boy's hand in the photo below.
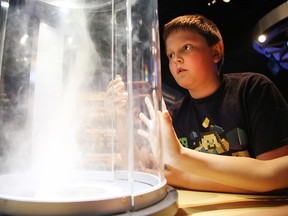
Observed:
{"x":153,"y":132}
{"x":116,"y":97}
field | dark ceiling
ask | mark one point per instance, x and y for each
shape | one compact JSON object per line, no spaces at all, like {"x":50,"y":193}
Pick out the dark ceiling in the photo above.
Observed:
{"x":236,"y":21}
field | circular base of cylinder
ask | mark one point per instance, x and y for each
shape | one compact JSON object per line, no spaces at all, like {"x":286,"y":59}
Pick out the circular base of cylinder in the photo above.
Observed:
{"x":84,"y":193}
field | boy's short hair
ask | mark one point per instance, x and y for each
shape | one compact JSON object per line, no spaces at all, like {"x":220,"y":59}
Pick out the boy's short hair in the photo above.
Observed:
{"x":198,"y":23}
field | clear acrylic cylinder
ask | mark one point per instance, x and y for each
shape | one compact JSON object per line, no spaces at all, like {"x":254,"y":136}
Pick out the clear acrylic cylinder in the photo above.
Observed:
{"x":69,"y":136}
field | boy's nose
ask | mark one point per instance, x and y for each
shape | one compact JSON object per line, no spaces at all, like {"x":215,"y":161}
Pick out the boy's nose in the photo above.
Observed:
{"x":178,"y":59}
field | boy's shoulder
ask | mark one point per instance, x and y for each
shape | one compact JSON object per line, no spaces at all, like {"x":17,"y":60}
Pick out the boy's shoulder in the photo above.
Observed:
{"x":246,"y":77}
{"x":179,"y":104}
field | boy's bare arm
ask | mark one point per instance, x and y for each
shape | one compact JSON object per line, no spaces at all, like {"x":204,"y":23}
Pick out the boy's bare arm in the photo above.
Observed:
{"x":240,"y":172}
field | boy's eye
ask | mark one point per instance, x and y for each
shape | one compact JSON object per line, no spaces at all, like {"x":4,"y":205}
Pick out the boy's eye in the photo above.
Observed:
{"x":187,"y":47}
{"x":170,"y":56}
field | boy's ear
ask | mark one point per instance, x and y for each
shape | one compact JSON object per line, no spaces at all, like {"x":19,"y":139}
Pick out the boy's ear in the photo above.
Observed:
{"x":218,"y":52}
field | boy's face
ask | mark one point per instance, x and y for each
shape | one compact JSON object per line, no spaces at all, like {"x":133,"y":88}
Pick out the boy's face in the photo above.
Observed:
{"x":191,"y":61}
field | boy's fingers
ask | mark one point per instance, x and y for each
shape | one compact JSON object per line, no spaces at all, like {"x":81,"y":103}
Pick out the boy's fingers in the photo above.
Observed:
{"x":143,"y":133}
{"x":145,"y":119}
{"x":150,"y":107}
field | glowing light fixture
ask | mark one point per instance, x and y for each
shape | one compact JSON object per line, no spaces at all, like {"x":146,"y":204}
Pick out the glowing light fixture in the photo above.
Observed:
{"x":262,"y":38}
{"x":211,"y":2}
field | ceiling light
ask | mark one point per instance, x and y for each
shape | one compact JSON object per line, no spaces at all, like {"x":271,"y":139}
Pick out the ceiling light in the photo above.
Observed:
{"x":262,"y":38}
{"x":210,"y":2}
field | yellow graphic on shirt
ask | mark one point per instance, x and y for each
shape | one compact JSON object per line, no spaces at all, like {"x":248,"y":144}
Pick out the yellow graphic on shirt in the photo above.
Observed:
{"x":232,"y":143}
{"x":212,"y":143}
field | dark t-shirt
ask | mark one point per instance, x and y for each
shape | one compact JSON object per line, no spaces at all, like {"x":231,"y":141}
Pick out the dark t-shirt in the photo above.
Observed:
{"x":246,"y":116}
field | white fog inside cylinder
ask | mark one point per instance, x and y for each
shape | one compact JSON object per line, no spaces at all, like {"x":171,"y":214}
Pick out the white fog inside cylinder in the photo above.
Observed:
{"x":55,"y":149}
{"x":56,"y":101}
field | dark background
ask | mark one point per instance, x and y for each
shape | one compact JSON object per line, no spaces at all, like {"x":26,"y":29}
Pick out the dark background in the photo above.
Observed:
{"x":236,"y":21}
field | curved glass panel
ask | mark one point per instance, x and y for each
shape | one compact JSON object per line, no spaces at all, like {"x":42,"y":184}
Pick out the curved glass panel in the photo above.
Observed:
{"x":68,"y":132}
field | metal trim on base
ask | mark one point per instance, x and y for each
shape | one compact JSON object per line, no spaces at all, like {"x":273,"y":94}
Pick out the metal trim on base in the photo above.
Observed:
{"x":155,"y":194}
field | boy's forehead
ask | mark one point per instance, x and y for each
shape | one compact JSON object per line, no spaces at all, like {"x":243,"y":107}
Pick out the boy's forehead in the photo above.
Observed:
{"x":183,"y":34}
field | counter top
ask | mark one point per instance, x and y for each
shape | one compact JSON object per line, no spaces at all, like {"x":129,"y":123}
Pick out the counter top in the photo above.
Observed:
{"x":199,"y":203}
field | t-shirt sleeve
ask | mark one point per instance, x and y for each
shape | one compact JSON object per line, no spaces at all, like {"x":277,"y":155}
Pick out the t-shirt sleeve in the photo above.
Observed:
{"x":268,"y":115}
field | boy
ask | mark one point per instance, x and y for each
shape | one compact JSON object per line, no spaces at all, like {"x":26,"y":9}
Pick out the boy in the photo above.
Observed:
{"x":240,"y":114}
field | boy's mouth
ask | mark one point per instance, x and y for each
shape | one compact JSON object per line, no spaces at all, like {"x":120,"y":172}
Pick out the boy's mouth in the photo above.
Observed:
{"x":180,"y":70}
